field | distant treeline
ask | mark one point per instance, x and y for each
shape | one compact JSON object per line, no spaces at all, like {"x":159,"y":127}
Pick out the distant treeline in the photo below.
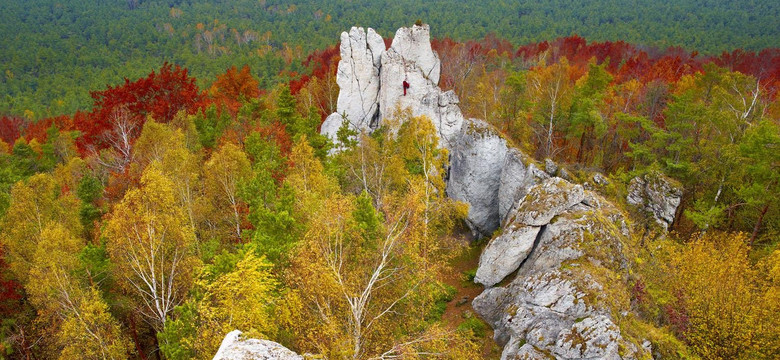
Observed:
{"x":54,"y":52}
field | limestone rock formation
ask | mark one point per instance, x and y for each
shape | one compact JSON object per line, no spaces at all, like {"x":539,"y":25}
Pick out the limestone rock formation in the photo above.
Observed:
{"x":235,"y":347}
{"x":411,"y":59}
{"x":477,"y":157}
{"x":656,"y":194}
{"x":505,"y":253}
{"x":516,"y":179}
{"x":358,"y":79}
{"x":563,"y":243}
{"x":371,"y":83}
{"x":562,"y":300}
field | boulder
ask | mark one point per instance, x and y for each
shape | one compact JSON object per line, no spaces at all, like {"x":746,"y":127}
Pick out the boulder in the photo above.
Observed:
{"x":516,"y":179}
{"x":477,"y":157}
{"x":600,"y":180}
{"x":504,"y":254}
{"x":658,"y":195}
{"x":236,"y":347}
{"x":550,"y":167}
{"x":565,"y":174}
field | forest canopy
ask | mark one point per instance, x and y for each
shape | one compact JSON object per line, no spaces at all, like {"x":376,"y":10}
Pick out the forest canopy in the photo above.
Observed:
{"x":55,"y":52}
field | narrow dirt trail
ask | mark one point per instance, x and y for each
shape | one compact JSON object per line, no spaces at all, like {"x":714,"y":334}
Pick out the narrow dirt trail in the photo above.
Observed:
{"x":459,"y":308}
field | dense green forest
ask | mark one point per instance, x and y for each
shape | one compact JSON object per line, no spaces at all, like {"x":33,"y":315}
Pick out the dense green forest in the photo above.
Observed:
{"x":52,"y":53}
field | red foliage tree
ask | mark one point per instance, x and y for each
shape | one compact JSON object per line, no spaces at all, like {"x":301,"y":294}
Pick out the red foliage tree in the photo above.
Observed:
{"x":11,"y":128}
{"x":321,"y":82}
{"x":10,"y":290}
{"x":160,"y":95}
{"x":234,"y":87}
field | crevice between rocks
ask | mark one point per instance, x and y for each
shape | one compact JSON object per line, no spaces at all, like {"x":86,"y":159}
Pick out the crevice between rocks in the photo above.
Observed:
{"x":511,"y":277}
{"x":537,"y":240}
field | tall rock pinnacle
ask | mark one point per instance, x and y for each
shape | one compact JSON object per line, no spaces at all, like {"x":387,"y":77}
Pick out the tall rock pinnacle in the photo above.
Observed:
{"x":371,"y":82}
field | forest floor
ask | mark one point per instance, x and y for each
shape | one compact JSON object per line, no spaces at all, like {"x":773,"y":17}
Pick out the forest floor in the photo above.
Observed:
{"x":459,"y":309}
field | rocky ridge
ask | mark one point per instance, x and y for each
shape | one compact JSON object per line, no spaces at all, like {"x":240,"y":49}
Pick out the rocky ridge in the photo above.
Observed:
{"x":555,"y":275}
{"x":566,"y":247}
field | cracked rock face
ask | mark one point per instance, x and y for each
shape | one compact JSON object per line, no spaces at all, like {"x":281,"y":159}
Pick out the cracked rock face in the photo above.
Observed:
{"x":358,"y":79}
{"x":516,"y":180}
{"x":477,"y":157}
{"x":371,"y":83}
{"x":235,"y":347}
{"x":411,"y":59}
{"x":656,"y":194}
{"x":504,"y":254}
{"x":557,"y":304}
{"x":547,"y":200}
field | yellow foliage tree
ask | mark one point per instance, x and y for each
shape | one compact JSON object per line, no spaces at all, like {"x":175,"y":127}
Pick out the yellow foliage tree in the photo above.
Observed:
{"x":168,"y":146}
{"x":90,"y":332}
{"x":83,"y":327}
{"x":228,"y":167}
{"x":152,"y":246}
{"x":364,"y":279}
{"x":550,"y":88}
{"x":241,"y":299}
{"x":722,"y":307}
{"x":35,"y":204}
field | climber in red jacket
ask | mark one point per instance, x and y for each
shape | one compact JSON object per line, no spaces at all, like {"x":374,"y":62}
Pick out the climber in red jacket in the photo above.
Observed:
{"x":406,"y":86}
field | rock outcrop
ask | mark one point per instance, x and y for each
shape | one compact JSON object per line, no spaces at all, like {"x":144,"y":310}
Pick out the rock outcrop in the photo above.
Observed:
{"x":504,"y":254}
{"x":563,"y":243}
{"x":235,"y":347}
{"x":656,"y":194}
{"x":477,"y":158}
{"x":371,"y":83}
{"x":566,"y":247}
{"x":518,"y":175}
{"x":411,"y":59}
{"x":358,"y":80}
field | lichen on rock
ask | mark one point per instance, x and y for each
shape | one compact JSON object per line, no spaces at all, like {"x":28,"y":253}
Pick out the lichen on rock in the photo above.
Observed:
{"x":569,"y":289}
{"x":658,"y":195}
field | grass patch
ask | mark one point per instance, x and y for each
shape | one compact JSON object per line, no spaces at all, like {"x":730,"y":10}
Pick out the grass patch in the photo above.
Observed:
{"x":473,"y":326}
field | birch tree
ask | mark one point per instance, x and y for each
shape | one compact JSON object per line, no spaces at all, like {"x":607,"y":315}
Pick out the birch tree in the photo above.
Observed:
{"x":151,"y":245}
{"x":362,"y":275}
{"x":223,"y":173}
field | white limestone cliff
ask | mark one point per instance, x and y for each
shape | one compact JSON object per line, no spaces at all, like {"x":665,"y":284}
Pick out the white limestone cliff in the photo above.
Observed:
{"x":371,"y":80}
{"x":411,"y":59}
{"x":358,"y":79}
{"x":562,"y":243}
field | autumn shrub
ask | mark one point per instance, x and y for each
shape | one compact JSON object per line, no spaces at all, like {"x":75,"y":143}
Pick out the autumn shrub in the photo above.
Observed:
{"x":713,"y":298}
